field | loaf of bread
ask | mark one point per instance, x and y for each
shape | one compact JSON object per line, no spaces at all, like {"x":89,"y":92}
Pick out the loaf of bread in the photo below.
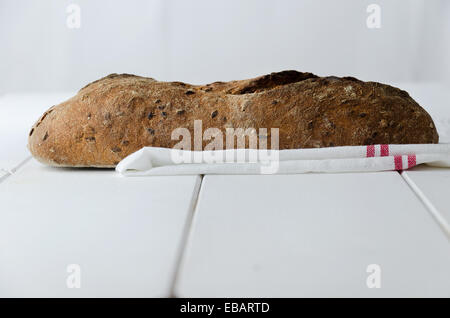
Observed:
{"x":119,"y":114}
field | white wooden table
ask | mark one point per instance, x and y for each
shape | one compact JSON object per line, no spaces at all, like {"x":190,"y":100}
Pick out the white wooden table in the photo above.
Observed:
{"x":273,"y":236}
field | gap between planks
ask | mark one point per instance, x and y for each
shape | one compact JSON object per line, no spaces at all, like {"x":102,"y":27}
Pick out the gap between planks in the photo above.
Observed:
{"x":187,"y":232}
{"x":437,"y":216}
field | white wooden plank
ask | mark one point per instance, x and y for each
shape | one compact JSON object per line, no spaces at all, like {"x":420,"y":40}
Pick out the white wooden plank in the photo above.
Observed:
{"x":312,"y":235}
{"x":18,"y":112}
{"x":432,"y":186}
{"x":124,"y":233}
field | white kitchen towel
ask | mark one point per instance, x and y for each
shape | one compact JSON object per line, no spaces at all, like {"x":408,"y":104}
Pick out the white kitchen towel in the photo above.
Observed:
{"x":164,"y":161}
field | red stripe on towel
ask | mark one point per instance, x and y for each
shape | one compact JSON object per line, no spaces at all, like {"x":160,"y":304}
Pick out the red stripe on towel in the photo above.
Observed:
{"x":411,"y":161}
{"x":370,"y":151}
{"x":384,"y":150}
{"x":398,"y":162}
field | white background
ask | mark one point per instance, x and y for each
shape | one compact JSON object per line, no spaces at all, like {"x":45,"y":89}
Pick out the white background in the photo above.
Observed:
{"x":200,"y":41}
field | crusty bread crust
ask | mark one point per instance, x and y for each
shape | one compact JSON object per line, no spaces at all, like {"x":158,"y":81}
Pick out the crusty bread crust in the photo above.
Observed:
{"x":114,"y":116}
